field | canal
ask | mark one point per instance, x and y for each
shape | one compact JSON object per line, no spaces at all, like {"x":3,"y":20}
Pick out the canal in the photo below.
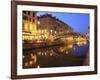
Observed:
{"x":72,"y":54}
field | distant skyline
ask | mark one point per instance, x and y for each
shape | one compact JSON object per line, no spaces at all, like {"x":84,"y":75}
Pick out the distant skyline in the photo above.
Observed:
{"x":78,"y":21}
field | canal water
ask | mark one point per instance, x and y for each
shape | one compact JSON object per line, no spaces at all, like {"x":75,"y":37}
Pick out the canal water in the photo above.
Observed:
{"x":72,"y":54}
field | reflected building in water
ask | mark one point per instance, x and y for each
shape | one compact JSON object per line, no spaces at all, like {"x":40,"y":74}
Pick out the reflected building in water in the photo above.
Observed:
{"x":57,"y":56}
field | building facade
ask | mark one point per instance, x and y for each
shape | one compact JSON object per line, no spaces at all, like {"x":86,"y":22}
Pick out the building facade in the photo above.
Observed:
{"x":29,"y":24}
{"x":53,"y":25}
{"x":42,"y":28}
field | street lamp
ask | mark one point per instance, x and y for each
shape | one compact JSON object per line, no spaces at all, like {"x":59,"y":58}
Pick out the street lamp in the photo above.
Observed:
{"x":38,"y":22}
{"x":51,"y":31}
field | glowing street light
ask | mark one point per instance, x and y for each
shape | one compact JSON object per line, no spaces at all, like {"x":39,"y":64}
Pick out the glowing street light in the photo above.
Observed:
{"x":38,"y":22}
{"x":51,"y":30}
{"x":45,"y":30}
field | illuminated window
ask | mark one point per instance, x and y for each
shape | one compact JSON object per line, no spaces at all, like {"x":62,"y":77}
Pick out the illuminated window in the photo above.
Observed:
{"x":26,"y":27}
{"x":31,"y":26}
{"x":45,"y":30}
{"x":42,"y":31}
{"x":35,"y":27}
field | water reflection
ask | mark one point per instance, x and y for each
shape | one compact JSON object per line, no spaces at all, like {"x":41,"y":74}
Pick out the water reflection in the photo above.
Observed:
{"x":73,"y":54}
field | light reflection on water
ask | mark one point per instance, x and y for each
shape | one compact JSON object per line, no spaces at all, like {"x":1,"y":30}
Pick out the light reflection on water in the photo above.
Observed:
{"x":73,"y":54}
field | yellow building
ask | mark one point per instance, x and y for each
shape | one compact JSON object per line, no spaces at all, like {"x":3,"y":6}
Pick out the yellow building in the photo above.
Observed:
{"x":42,"y":28}
{"x":29,"y":24}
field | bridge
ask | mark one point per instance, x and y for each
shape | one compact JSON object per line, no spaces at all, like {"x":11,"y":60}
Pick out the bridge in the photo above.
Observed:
{"x":67,"y":36}
{"x":59,"y":36}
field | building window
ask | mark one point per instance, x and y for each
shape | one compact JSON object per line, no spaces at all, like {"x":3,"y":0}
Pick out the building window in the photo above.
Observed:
{"x":33,"y":20}
{"x":25,"y":18}
{"x":33,"y":14}
{"x":30,"y":19}
{"x":28,"y":12}
{"x":24,"y":12}
{"x":26,"y":27}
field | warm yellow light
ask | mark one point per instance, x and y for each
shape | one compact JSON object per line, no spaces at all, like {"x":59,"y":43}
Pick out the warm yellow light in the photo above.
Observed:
{"x":55,"y":32}
{"x":38,"y":22}
{"x":30,"y":37}
{"x":26,"y":27}
{"x":78,"y":38}
{"x":42,"y":31}
{"x":69,"y":46}
{"x":79,"y":43}
{"x":34,"y":58}
{"x":51,"y":30}
{"x":45,"y":30}
{"x":45,"y":36}
{"x":39,"y":31}
{"x":25,"y":38}
{"x":40,"y":36}
{"x":35,"y":28}
{"x":70,"y":38}
{"x":31,"y":26}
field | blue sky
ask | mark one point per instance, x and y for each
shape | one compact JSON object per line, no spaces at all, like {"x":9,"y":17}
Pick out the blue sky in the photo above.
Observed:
{"x":78,"y":21}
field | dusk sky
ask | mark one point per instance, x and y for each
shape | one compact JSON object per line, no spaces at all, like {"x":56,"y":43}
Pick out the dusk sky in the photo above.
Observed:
{"x":78,"y":21}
